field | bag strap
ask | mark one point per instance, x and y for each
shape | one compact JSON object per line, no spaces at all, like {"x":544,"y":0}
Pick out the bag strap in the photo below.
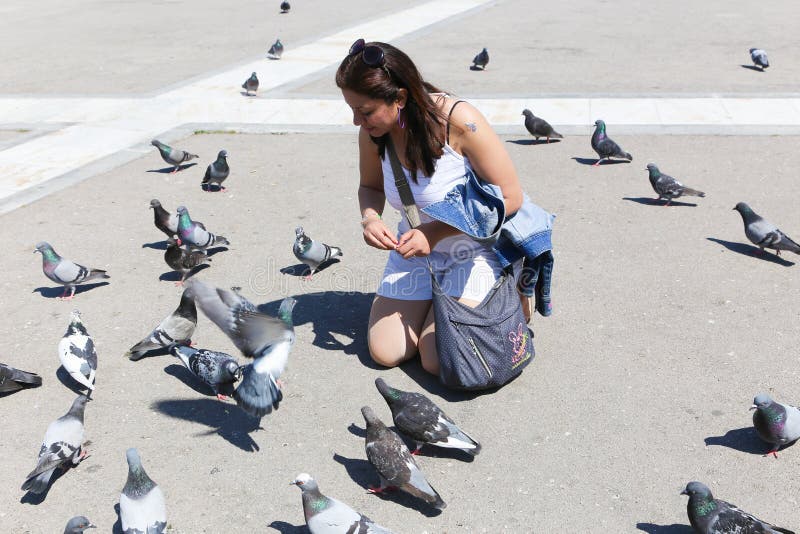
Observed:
{"x":403,"y":189}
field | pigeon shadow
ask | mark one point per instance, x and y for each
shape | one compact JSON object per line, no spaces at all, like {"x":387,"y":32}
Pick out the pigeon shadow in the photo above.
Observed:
{"x":157,"y":245}
{"x":301,"y":269}
{"x":245,"y":93}
{"x":475,"y":67}
{"x":743,"y":440}
{"x":649,"y":201}
{"x":674,"y":528}
{"x":532,"y":141}
{"x":38,"y":498}
{"x":287,"y":528}
{"x":117,"y":528}
{"x":65,"y":378}
{"x":182,"y":373}
{"x":226,"y":420}
{"x":175,"y":276}
{"x":357,"y":431}
{"x":749,"y":250}
{"x":363,"y":473}
{"x":160,"y":351}
{"x":217,"y":188}
{"x":168,"y":170}
{"x":216,"y":250}
{"x":592,"y":161}
{"x":333,"y":312}
{"x":752,"y":67}
{"x":55,"y":292}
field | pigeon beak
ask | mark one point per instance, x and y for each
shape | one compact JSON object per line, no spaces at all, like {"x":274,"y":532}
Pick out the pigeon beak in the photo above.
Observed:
{"x":91,"y":525}
{"x":684,"y":492}
{"x":36,"y":250}
{"x":753,"y":407}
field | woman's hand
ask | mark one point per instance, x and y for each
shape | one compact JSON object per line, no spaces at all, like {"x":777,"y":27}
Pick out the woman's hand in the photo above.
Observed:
{"x":377,"y":235}
{"x":414,"y":243}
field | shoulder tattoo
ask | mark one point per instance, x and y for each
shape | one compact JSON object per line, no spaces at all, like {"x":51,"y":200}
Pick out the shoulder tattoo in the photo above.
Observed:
{"x":471,"y":126}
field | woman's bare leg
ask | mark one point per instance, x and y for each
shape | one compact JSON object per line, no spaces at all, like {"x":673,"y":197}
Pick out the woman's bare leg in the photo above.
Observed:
{"x":394,"y":329}
{"x":427,"y":340}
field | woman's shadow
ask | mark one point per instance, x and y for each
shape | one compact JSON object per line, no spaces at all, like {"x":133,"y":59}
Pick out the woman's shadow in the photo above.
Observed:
{"x":333,"y":312}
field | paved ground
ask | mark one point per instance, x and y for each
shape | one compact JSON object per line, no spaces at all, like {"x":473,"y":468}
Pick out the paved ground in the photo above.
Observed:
{"x":665,"y":324}
{"x":665,"y":327}
{"x":682,"y":47}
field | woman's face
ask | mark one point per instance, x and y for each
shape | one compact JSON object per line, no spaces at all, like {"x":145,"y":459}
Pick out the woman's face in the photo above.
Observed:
{"x":374,"y":115}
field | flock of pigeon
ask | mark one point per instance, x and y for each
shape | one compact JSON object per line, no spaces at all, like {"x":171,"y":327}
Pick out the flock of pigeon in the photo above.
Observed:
{"x":267,"y":340}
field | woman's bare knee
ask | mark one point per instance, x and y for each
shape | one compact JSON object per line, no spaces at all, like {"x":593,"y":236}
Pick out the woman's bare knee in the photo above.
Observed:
{"x":394,"y":327}
{"x":428,"y":354}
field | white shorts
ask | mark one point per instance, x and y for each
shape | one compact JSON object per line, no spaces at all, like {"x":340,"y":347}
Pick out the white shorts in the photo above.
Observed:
{"x":468,"y":274}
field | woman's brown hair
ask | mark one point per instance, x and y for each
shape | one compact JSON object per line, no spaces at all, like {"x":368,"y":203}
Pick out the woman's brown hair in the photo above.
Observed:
{"x":423,"y":117}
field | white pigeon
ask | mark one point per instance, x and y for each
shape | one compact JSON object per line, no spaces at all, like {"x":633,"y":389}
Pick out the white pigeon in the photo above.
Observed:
{"x":142,"y":508}
{"x":325,"y":515}
{"x":77,"y":353}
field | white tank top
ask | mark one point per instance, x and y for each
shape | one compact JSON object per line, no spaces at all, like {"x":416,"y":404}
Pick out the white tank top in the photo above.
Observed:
{"x":449,"y":170}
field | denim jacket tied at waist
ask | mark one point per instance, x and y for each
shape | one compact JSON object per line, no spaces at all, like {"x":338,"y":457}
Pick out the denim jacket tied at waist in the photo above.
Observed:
{"x":476,"y":208}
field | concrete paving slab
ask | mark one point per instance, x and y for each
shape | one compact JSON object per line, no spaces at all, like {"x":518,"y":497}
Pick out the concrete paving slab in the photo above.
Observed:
{"x":665,"y":327}
{"x":123,"y":47}
{"x":602,"y":48}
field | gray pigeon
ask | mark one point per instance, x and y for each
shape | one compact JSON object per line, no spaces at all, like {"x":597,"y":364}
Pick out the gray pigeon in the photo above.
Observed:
{"x":394,"y":463}
{"x":217,"y":369}
{"x":194,"y":235}
{"x":481,"y":60}
{"x":759,"y":58}
{"x":165,"y":221}
{"x":14,"y":380}
{"x":77,"y":353}
{"x":184,"y":261}
{"x":62,"y":446}
{"x":763,"y":233}
{"x":65,"y":272}
{"x":325,"y":515}
{"x":176,"y":329}
{"x":276,"y":50}
{"x":142,"y":509}
{"x":312,"y":253}
{"x":251,"y":84}
{"x":539,"y":127}
{"x":285,"y":7}
{"x":776,"y":423}
{"x":78,"y":524}
{"x":417,"y":417}
{"x":217,"y":172}
{"x":713,"y":516}
{"x":605,"y":147}
{"x":172,"y":156}
{"x":268,"y":340}
{"x":668,"y":187}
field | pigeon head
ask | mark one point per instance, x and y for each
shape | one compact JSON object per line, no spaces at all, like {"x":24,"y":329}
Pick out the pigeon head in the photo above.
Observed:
{"x":79,"y":406}
{"x":762,"y":400}
{"x":697,"y":489}
{"x":285,"y":310}
{"x":222,"y":154}
{"x":753,"y":50}
{"x":138,"y":483}
{"x":742,"y":208}
{"x":182,"y":209}
{"x":155,"y":203}
{"x":155,"y":142}
{"x":305,"y":482}
{"x":253,"y":75}
{"x":78,"y":524}
{"x":75,"y":324}
{"x":234,"y":369}
{"x":298,"y":231}
{"x":600,"y":124}
{"x":389,"y":393}
{"x":43,"y":247}
{"x":370,"y":417}
{"x":653,"y":169}
{"x":527,"y":113}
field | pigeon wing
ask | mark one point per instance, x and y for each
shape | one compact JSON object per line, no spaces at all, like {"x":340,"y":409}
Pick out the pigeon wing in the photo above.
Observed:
{"x":732,"y":519}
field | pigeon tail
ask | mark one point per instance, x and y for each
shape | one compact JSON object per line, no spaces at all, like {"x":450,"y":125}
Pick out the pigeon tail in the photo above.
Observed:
{"x":627,"y":156}
{"x":95,"y":274}
{"x":37,"y":482}
{"x":556,"y":135}
{"x":693,"y":192}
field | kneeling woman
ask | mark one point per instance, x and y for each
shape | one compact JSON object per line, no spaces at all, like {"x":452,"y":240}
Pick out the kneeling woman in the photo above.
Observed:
{"x":437,"y":139}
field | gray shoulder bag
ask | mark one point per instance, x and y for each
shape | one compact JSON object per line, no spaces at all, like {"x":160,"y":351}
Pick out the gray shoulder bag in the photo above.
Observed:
{"x":482,"y":347}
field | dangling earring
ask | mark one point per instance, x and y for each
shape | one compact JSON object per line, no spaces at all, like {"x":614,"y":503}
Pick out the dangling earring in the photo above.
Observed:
{"x":401,"y":121}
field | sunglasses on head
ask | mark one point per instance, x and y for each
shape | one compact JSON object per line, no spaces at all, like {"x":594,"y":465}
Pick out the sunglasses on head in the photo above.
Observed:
{"x":372,"y":55}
